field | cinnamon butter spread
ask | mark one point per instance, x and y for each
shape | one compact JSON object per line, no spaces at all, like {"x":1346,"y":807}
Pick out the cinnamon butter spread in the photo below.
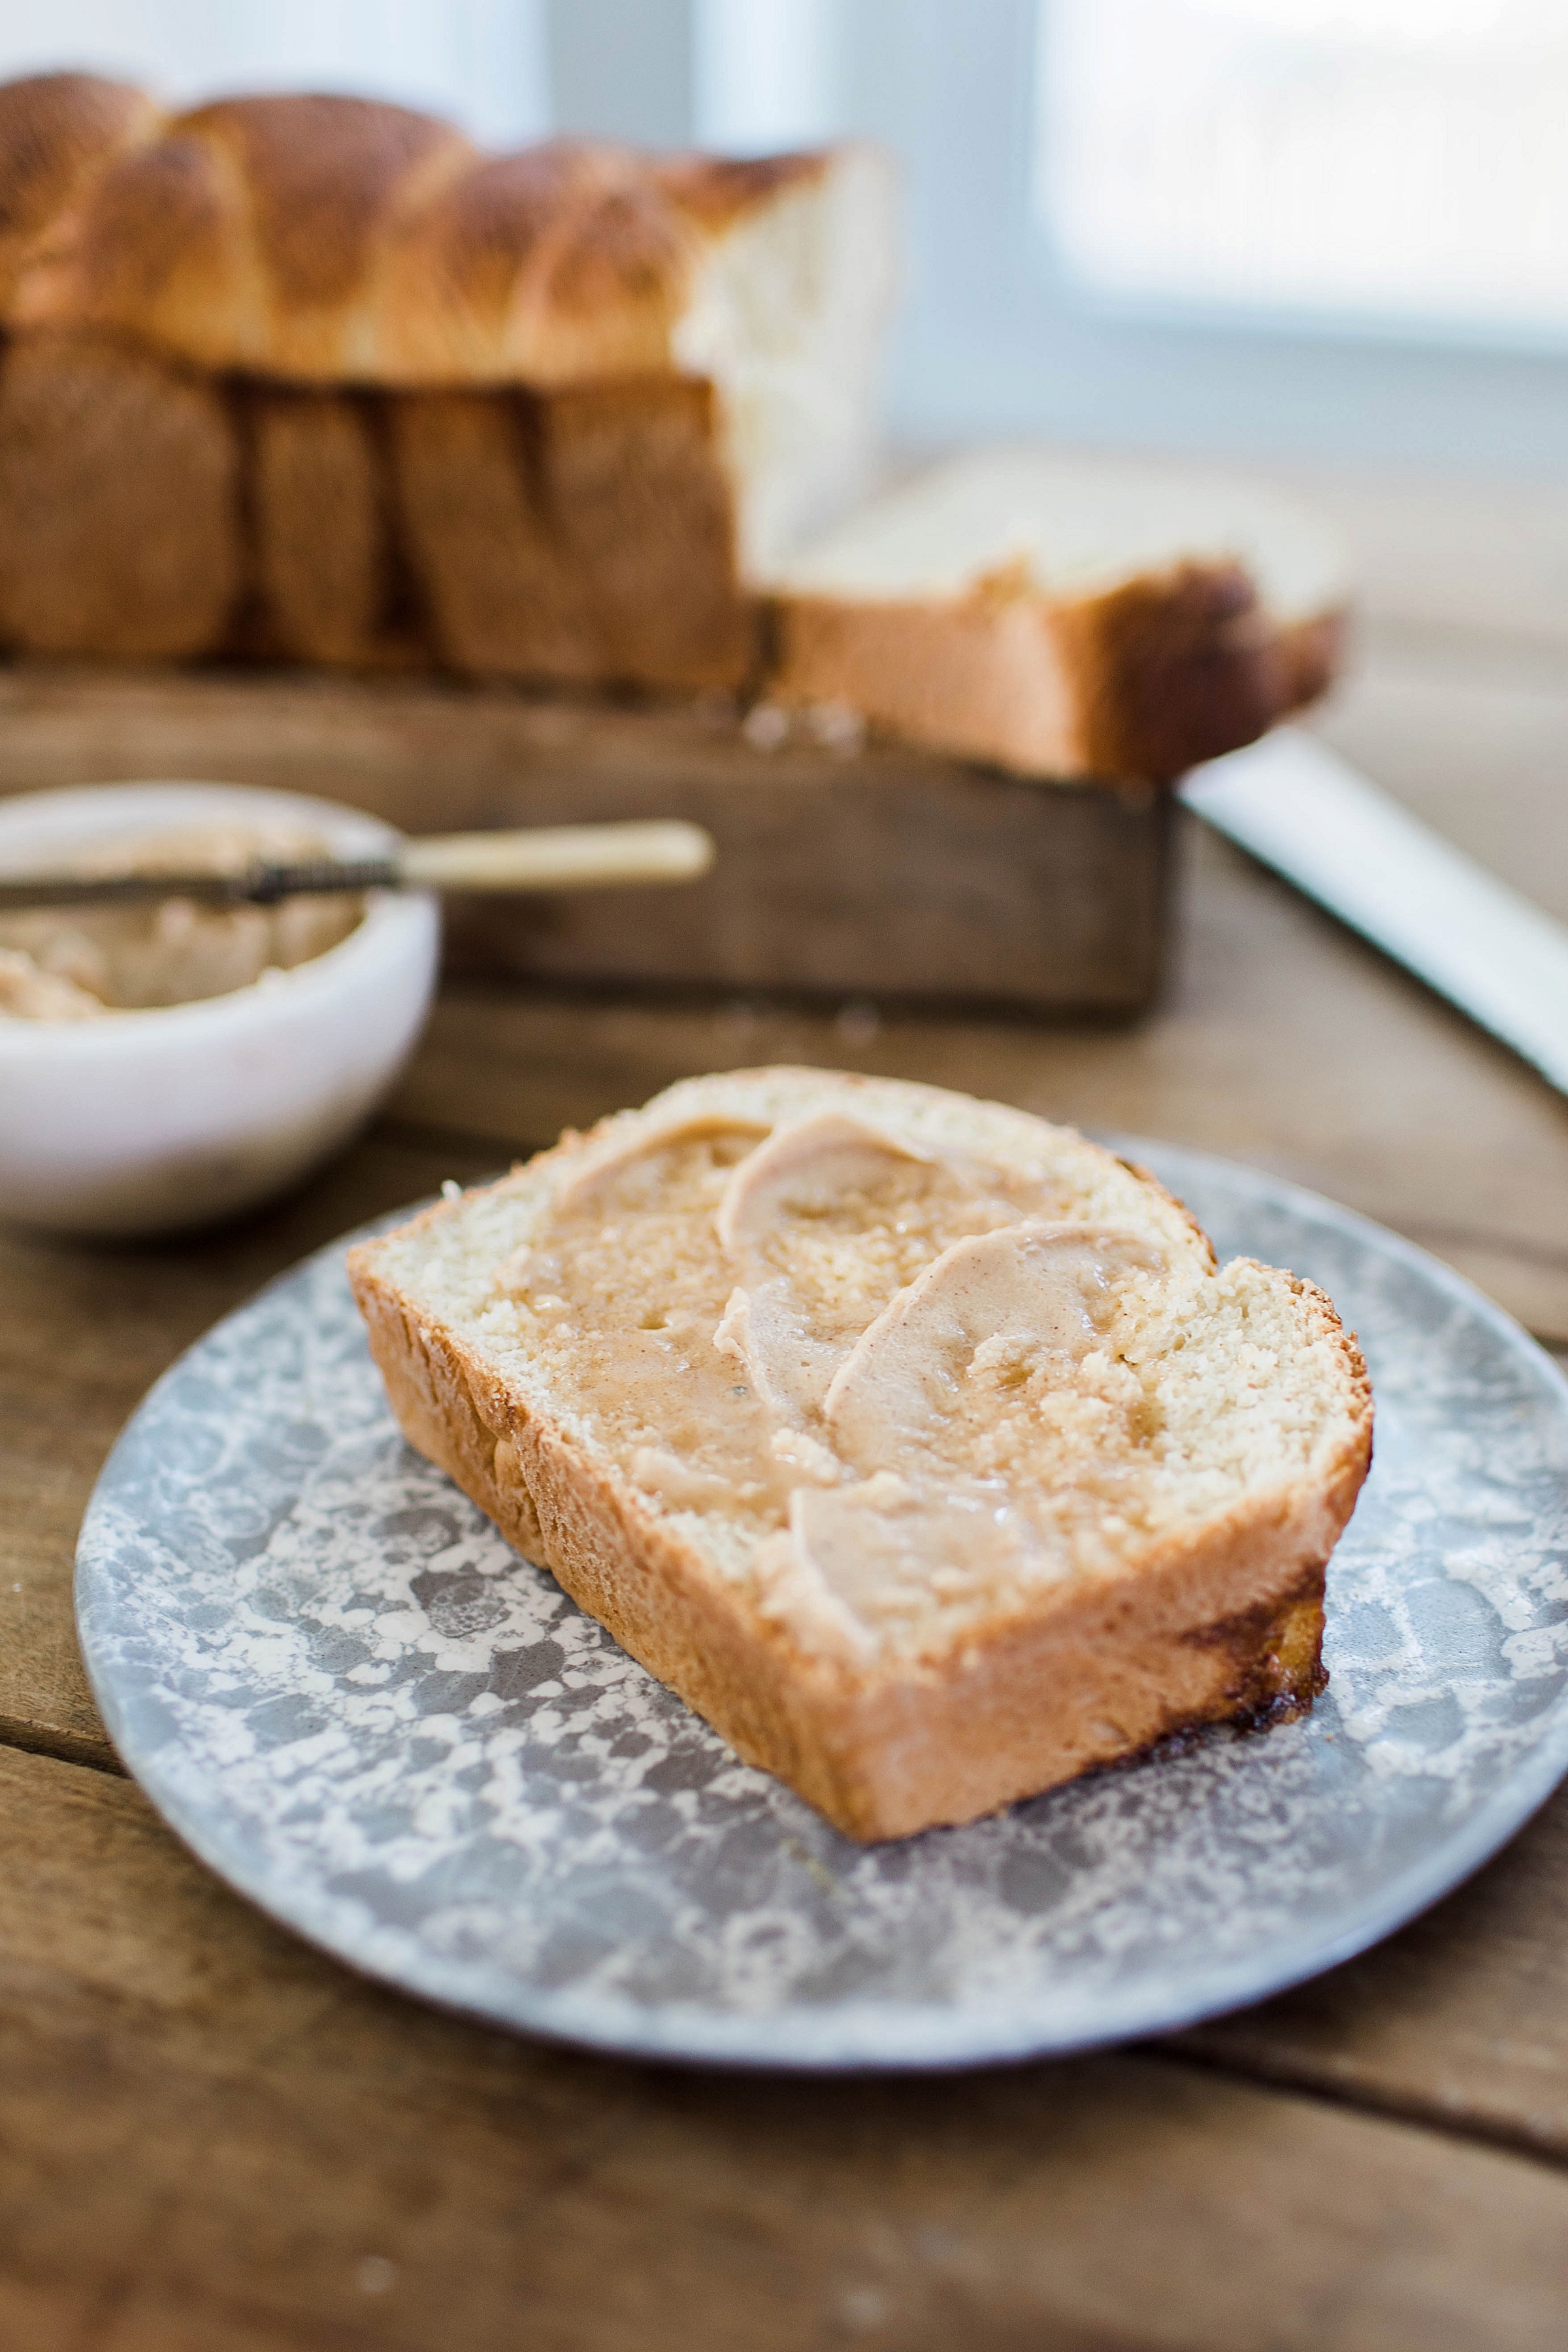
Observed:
{"x":84,"y":963}
{"x":902,"y":1380}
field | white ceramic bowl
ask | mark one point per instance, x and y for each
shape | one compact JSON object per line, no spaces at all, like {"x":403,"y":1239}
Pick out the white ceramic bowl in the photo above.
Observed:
{"x":183,"y":1113}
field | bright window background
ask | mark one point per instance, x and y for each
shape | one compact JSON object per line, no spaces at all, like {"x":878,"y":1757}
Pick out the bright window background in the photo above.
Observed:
{"x":1387,"y":163}
{"x":767,"y":73}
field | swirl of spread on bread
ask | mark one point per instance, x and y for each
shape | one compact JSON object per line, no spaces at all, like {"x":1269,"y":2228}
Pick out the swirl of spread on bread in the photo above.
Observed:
{"x":849,"y":1342}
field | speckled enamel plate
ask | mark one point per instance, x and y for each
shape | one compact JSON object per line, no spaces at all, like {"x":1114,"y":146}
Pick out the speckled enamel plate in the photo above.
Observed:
{"x":339,"y":1684}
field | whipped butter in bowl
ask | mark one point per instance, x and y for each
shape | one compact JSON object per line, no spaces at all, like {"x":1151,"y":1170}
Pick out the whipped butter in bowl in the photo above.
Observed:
{"x":65,"y":963}
{"x":164,"y":1064}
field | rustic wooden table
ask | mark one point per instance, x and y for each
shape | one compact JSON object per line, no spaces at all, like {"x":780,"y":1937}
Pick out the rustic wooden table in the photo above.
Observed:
{"x":214,"y":2140}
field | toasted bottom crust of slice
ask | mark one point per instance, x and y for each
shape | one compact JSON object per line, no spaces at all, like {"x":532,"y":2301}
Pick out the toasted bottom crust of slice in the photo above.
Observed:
{"x":1142,"y":682}
{"x":1226,"y":1627}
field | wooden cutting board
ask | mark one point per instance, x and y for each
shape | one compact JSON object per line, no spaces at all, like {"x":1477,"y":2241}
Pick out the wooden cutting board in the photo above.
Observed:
{"x":843,"y":870}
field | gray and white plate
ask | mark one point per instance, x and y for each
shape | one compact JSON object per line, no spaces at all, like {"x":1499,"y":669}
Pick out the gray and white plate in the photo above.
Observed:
{"x":347,"y":1694}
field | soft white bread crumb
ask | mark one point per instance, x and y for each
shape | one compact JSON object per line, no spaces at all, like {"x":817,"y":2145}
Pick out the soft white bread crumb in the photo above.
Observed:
{"x":786,"y":315}
{"x":1076,"y":527}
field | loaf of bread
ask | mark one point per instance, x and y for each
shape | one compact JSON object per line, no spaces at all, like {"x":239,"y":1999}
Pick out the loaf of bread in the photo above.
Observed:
{"x":919,"y":1444}
{"x":312,"y":378}
{"x":1065,"y":616}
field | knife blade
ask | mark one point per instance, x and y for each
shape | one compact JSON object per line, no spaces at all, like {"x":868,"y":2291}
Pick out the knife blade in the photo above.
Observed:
{"x":1298,"y":807}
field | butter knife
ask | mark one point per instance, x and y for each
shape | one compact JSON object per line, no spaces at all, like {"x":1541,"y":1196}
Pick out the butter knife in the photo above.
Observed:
{"x":1295,"y":805}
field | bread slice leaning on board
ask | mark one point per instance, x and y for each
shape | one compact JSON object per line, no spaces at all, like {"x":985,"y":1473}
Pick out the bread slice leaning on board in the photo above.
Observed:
{"x":919,"y":1444}
{"x":1065,"y":616}
{"x":313,"y":377}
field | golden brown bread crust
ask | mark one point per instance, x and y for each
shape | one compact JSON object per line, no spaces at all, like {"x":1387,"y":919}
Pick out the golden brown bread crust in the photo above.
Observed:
{"x":537,"y":269}
{"x":119,"y":529}
{"x":341,"y":239}
{"x":986,"y":680}
{"x":1313,"y":652}
{"x":154,"y":237}
{"x":583,"y":537}
{"x":581,"y":528}
{"x":250,"y":237}
{"x":567,"y":262}
{"x":1142,"y":682}
{"x":323,"y":180}
{"x":1224,"y":1625}
{"x":324,"y":562}
{"x":305,"y":254}
{"x":580,"y":535}
{"x":644,"y":520}
{"x":1173,"y":669}
{"x":716,"y":191}
{"x":55,"y":131}
{"x":474,"y":508}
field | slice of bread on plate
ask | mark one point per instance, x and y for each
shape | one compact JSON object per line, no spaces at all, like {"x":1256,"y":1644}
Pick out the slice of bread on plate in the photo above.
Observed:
{"x":1065,"y":616}
{"x":917,"y":1443}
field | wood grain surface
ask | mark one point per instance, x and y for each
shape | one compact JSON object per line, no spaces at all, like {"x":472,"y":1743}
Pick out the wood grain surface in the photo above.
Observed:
{"x":211,"y":2137}
{"x":841,"y":867}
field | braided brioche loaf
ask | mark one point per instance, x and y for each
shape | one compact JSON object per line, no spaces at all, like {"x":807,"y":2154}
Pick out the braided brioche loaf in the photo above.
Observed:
{"x":311,"y":378}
